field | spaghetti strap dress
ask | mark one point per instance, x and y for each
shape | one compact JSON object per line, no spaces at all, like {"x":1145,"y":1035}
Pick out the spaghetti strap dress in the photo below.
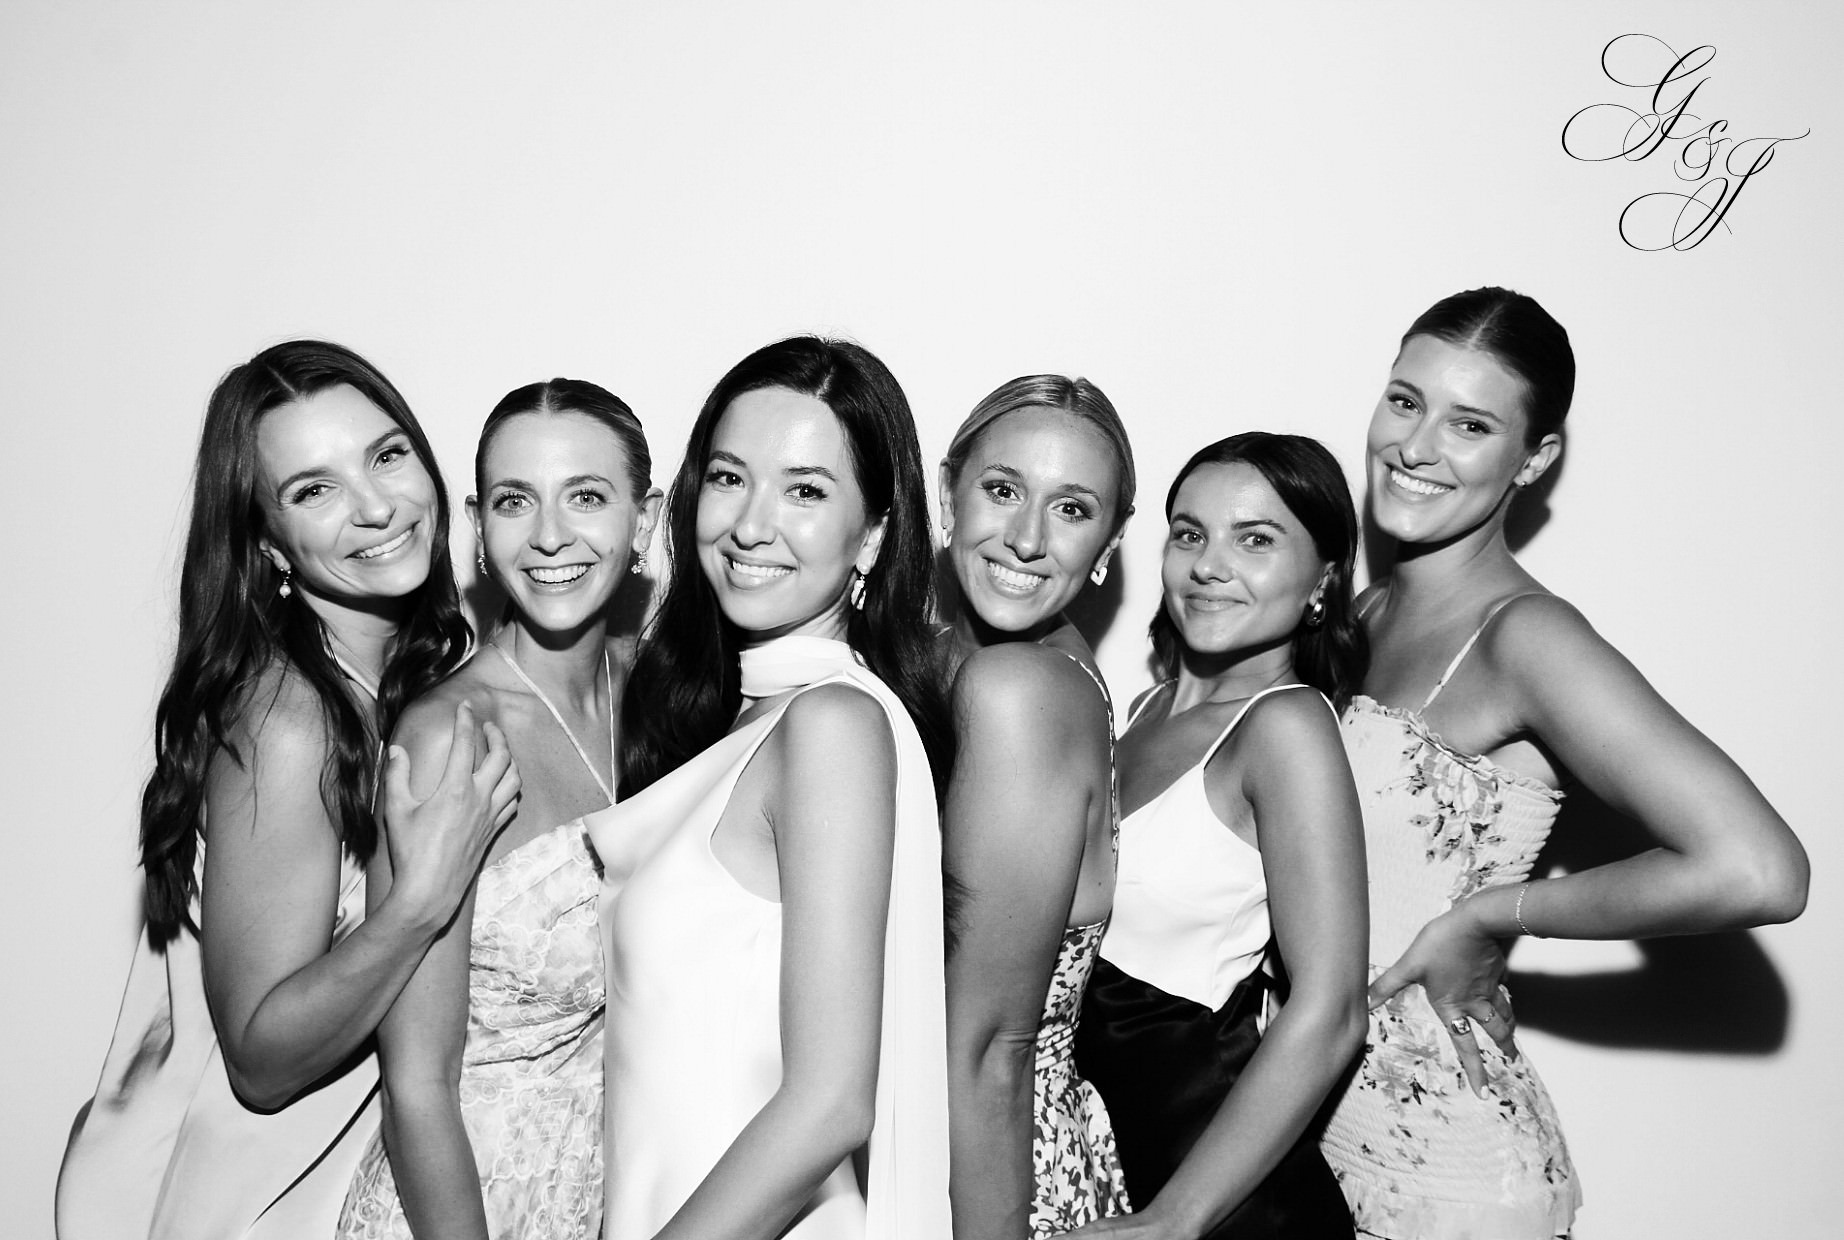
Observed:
{"x":1077,"y":1169}
{"x":165,"y":1150}
{"x":694,"y":967}
{"x":1418,"y":1154}
{"x":531,"y":1063}
{"x":1176,"y":1005}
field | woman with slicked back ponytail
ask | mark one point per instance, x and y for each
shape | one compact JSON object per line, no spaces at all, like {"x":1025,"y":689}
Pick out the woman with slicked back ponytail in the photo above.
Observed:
{"x":316,"y":600}
{"x":1485,"y":696}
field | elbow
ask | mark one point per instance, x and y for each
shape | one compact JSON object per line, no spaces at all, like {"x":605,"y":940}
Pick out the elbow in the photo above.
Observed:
{"x":1774,"y":887}
{"x":996,"y":1063}
{"x":259,"y":1086}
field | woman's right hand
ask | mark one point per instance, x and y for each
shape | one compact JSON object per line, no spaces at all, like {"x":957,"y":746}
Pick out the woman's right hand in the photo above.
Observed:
{"x":437,"y":842}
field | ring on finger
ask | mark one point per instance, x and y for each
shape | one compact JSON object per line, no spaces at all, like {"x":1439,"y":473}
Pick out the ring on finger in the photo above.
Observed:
{"x":1460,"y":1026}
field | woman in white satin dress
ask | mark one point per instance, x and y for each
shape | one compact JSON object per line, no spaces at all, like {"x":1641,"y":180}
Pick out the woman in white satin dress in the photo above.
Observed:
{"x":492,"y":1056}
{"x":316,"y":599}
{"x":776,"y":1038}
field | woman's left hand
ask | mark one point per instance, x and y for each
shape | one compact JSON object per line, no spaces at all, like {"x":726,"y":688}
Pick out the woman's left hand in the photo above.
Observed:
{"x":1462,"y":969}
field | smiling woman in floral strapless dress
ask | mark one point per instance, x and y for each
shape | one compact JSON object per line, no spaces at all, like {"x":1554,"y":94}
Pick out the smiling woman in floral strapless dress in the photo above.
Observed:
{"x":1485,"y":694}
{"x":492,"y":1057}
{"x":776,"y":1062}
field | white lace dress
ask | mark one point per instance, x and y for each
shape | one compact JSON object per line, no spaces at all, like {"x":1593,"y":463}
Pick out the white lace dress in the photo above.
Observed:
{"x":531,"y":1070}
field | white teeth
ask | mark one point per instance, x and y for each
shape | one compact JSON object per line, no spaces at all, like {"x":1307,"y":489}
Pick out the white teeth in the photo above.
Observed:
{"x":557,"y":576}
{"x":384,"y":547}
{"x":1417,"y":486}
{"x":1012,"y":579}
{"x":759,"y":571}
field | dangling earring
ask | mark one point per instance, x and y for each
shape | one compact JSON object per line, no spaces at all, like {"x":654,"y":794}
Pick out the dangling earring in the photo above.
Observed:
{"x":1099,"y":573}
{"x":287,"y":587}
{"x":857,"y":590}
{"x":480,"y":559}
{"x":639,"y":566}
{"x":1315,"y":613}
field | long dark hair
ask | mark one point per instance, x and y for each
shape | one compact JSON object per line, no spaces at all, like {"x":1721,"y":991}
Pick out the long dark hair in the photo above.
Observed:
{"x":1522,"y":336}
{"x":685,"y":689}
{"x":1333,"y":655}
{"x":234,"y":626}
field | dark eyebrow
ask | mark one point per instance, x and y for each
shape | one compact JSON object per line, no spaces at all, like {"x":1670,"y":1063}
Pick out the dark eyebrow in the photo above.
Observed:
{"x":1067,"y":488}
{"x":811,"y":471}
{"x":285,"y":485}
{"x":1472,"y":409}
{"x":718,"y":454}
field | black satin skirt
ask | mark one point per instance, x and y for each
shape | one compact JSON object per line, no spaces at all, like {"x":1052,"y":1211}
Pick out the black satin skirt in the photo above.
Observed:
{"x":1164,"y":1065}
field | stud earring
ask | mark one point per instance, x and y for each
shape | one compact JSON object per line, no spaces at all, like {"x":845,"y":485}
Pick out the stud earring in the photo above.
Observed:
{"x":639,"y":566}
{"x":947,"y":537}
{"x":857,"y":591}
{"x":1315,"y":613}
{"x":287,"y":587}
{"x":1099,"y":573}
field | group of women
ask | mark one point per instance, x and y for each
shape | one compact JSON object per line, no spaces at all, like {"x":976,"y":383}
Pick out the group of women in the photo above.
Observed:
{"x":822,"y":911}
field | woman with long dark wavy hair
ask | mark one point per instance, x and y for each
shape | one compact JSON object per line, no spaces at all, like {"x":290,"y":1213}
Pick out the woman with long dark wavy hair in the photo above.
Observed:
{"x":316,"y":600}
{"x":1486,"y":695}
{"x":1240,"y":839}
{"x":1036,"y":488}
{"x":776,"y":1062}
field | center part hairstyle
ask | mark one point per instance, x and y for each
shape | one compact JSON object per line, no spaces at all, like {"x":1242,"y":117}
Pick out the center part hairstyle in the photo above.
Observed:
{"x":579,"y":396}
{"x":234,"y":627}
{"x":1521,"y":336}
{"x":685,"y":689}
{"x":1332,"y":656}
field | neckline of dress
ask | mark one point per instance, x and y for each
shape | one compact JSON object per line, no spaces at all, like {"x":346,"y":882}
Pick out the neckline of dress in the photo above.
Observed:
{"x":608,"y":680}
{"x":792,"y":662}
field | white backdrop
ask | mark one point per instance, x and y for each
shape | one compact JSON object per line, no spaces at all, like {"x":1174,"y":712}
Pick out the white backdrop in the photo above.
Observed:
{"x":1223,"y":214}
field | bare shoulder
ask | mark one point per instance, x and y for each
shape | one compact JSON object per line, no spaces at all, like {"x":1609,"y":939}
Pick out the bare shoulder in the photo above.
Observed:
{"x":829,"y":721}
{"x":1025,"y":684}
{"x":1294,"y":722}
{"x":1537,"y":636}
{"x":430,"y":719}
{"x":278,"y":718}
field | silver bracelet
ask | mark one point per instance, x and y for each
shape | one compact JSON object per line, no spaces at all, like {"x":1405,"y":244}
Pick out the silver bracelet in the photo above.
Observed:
{"x":1517,"y":913}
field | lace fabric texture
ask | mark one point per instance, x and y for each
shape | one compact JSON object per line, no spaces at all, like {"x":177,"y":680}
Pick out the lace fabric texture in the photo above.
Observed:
{"x":531,"y":1071}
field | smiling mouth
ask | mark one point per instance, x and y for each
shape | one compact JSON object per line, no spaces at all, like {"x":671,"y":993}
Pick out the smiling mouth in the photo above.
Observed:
{"x":756,"y":572}
{"x":559,"y":575}
{"x":1012,"y":580}
{"x":385,"y":548}
{"x":1416,"y":486}
{"x":1205,"y":602}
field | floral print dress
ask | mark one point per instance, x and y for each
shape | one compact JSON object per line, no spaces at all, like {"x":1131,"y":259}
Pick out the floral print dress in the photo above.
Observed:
{"x":1417,"y":1153}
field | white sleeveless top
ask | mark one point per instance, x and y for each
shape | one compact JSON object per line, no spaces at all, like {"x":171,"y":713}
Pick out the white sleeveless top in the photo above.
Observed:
{"x":1190,"y":895}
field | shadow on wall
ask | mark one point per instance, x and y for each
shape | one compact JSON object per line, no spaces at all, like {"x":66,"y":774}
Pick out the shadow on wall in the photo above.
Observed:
{"x":1717,"y":993}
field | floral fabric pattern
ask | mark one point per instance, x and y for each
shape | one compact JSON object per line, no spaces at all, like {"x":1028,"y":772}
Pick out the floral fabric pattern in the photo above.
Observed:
{"x":1077,"y":1169}
{"x":1417,"y":1153}
{"x":531,"y":1070}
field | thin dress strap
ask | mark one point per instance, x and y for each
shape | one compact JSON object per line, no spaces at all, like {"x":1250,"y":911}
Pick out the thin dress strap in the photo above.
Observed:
{"x":1468,"y":647}
{"x":575,"y":744}
{"x":1246,"y":706}
{"x":1107,"y":700}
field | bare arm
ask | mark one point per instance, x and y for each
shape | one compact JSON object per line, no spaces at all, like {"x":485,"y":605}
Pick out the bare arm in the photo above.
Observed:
{"x":288,"y":1004}
{"x":1298,"y":785}
{"x":421,"y":1038}
{"x":1032,"y":746}
{"x":1725,"y":859}
{"x":833,"y":811}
